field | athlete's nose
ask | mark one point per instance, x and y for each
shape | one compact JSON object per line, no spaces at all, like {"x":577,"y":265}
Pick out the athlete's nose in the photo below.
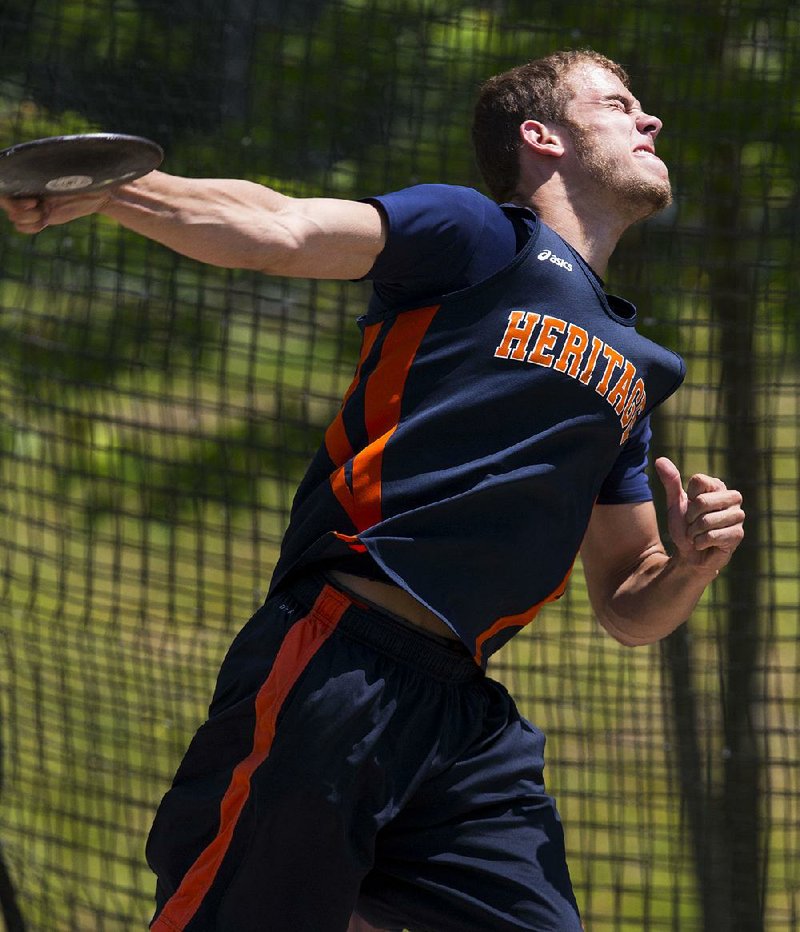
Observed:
{"x":648,"y":125}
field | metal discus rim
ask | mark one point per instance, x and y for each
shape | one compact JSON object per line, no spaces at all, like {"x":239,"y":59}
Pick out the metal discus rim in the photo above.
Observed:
{"x":80,"y":163}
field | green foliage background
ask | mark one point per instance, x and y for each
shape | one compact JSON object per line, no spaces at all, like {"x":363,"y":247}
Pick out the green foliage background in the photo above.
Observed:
{"x":156,"y":416}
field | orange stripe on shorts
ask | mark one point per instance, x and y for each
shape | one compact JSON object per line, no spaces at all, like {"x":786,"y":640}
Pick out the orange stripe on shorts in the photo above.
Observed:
{"x":300,"y":646}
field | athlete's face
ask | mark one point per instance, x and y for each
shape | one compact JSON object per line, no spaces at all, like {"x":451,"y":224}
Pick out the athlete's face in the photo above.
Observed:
{"x":613,"y":140}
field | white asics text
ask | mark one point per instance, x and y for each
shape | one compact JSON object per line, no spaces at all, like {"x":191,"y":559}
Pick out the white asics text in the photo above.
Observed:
{"x":545,"y":254}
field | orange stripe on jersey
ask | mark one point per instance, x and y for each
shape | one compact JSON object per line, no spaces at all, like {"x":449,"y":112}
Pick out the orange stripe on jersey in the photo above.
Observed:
{"x":383,"y":395}
{"x":337,"y":442}
{"x":363,"y":502}
{"x":367,"y":487}
{"x":384,"y":390}
{"x":344,"y":494}
{"x":518,"y":621}
{"x":352,"y":542}
{"x":301,"y":644}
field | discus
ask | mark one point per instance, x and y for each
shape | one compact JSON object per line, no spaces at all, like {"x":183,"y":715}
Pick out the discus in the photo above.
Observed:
{"x":79,"y":164}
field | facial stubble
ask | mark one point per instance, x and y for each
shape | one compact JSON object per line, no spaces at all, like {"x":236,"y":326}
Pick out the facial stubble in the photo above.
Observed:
{"x":644,"y":196}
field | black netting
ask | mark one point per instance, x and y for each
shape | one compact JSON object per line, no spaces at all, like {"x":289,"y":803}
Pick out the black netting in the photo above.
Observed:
{"x":156,"y":416}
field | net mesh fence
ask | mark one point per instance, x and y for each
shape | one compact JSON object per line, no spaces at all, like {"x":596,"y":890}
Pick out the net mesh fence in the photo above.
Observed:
{"x":156,"y":416}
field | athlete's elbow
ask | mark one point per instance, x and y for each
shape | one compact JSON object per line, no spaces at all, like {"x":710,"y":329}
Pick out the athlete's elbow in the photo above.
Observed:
{"x":280,"y":252}
{"x":625,"y":631}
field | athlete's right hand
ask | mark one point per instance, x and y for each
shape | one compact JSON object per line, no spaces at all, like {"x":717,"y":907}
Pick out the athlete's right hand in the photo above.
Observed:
{"x":32,"y":214}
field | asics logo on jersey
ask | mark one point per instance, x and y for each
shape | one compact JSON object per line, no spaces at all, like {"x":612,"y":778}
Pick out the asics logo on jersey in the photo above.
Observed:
{"x":545,"y":254}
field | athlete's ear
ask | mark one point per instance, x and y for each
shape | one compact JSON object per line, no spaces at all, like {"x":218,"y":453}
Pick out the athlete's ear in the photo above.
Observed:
{"x":540,"y":138}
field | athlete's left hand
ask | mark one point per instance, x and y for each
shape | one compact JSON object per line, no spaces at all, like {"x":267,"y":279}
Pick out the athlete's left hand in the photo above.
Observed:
{"x":706,"y":521}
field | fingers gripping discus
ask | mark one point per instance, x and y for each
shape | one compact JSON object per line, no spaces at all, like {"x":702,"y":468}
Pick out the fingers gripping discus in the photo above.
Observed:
{"x":79,"y":164}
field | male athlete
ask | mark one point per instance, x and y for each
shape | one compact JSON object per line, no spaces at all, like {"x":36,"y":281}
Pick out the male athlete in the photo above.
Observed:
{"x":357,"y":760}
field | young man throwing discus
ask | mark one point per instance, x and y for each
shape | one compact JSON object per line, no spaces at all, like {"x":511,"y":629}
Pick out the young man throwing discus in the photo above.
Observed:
{"x":357,"y":760}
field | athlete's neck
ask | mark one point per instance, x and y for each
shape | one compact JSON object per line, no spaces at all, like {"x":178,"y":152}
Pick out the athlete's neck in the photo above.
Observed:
{"x":593,"y":231}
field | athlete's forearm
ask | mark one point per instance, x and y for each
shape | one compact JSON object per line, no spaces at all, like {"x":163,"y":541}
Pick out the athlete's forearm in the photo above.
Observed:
{"x":639,"y":593}
{"x":654,"y":599}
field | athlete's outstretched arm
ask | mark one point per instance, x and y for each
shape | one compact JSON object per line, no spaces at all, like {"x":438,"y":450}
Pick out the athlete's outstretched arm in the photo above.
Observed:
{"x":639,"y":593}
{"x":228,"y":223}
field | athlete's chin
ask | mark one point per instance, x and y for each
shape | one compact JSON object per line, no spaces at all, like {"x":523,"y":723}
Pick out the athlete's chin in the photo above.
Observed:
{"x":662,"y":196}
{"x":660,"y":191}
{"x":654,"y":192}
{"x":653,"y":201}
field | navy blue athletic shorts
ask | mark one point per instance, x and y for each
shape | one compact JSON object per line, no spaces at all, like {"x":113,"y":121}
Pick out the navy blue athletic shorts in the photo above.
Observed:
{"x":353,"y":763}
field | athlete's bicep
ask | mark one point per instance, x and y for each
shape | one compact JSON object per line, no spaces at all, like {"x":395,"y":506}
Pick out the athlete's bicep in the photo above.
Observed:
{"x":336,"y":239}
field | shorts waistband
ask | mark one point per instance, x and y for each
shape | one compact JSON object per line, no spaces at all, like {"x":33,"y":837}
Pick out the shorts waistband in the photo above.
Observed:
{"x":448,"y":661}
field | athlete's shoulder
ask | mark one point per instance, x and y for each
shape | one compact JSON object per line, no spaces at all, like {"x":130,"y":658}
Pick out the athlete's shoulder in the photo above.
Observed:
{"x":438,"y":190}
{"x":438,"y":208}
{"x":440,"y":238}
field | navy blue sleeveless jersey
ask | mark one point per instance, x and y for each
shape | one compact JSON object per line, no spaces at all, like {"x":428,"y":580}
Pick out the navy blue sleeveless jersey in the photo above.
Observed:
{"x":479,"y":431}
